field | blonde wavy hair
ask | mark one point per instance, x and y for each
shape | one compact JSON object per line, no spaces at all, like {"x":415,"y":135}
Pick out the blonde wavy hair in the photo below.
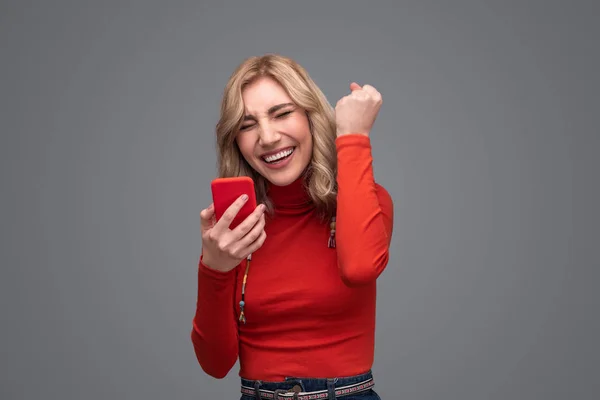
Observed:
{"x":321,"y":174}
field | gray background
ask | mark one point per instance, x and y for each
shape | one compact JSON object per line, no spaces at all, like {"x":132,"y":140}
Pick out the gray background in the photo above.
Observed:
{"x":488,"y":141}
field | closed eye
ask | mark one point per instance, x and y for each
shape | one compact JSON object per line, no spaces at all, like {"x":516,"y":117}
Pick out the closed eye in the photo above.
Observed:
{"x":278,"y":116}
{"x":284,"y":114}
{"x":248,"y":126}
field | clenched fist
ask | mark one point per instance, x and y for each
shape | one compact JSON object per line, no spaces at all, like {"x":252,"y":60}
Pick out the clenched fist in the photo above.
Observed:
{"x":356,"y":112}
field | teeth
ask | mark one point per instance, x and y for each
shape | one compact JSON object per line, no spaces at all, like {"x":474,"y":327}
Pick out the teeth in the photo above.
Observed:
{"x":278,"y":156}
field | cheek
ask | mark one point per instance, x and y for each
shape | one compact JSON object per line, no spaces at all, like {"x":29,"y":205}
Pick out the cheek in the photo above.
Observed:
{"x":245,"y":144}
{"x":300,"y":130}
{"x":306,"y":143}
{"x":308,"y":150}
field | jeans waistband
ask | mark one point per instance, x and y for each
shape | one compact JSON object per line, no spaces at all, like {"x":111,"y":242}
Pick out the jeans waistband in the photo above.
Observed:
{"x":303,"y":388}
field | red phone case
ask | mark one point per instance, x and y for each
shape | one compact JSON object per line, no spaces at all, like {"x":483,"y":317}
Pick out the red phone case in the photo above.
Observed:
{"x":227,"y":190}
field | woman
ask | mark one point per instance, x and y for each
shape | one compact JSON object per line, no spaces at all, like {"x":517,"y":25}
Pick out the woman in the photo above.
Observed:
{"x":301,"y":319}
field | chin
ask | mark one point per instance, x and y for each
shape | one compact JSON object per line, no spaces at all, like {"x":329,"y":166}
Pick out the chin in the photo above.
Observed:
{"x":283,"y":177}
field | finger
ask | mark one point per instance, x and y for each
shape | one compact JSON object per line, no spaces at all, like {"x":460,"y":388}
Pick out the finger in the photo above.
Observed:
{"x":354,"y":86}
{"x":207,"y":218}
{"x":230,"y":214}
{"x":371,"y":90}
{"x":246,"y":225}
{"x":253,"y":234}
{"x":257,"y":244}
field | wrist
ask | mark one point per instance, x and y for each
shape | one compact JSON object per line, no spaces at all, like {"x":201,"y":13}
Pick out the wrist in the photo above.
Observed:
{"x":356,"y":132}
{"x":208,"y":263}
{"x":216,"y":266}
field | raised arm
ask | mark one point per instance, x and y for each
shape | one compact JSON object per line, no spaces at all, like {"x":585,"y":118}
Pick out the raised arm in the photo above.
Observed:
{"x":365,"y":213}
{"x":364,"y":220}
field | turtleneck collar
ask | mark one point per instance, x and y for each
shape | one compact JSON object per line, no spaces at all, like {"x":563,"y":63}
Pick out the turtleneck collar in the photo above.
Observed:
{"x":291,"y":199}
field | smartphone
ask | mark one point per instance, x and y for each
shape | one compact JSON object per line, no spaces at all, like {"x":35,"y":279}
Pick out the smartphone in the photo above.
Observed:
{"x":227,"y":190}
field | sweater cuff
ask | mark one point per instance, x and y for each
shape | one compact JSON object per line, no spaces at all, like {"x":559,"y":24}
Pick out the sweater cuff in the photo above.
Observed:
{"x":213,"y":274}
{"x":353,"y":139}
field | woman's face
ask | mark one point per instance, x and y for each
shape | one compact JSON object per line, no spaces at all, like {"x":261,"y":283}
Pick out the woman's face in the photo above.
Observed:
{"x":275,"y":136}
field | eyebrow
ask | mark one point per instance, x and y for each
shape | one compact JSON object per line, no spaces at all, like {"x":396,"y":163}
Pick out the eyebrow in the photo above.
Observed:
{"x":271,"y":110}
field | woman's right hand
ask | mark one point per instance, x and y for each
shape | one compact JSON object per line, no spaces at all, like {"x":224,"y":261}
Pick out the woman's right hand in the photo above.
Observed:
{"x":223,"y":248}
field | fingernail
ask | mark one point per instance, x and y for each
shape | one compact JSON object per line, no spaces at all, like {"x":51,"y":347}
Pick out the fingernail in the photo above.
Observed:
{"x":245,"y":197}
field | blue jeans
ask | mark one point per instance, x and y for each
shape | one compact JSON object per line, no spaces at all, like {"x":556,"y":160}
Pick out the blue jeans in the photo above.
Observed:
{"x":314,"y":384}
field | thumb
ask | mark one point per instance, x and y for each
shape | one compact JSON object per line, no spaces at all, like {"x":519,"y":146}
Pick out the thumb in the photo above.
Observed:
{"x":206,"y":218}
{"x":354,"y":86}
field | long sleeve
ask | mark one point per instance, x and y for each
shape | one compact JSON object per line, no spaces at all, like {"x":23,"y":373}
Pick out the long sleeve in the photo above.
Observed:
{"x":364,"y":219}
{"x":214,"y":328}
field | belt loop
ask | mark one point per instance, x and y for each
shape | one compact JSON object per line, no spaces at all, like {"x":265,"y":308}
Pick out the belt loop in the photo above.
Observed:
{"x":331,"y":388}
{"x":257,"y":385}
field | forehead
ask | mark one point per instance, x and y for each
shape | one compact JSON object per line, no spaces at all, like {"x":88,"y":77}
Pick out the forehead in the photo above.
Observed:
{"x":263,"y":94}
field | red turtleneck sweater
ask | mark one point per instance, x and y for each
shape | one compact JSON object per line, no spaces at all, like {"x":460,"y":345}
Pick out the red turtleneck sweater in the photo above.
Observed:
{"x":310,"y":309}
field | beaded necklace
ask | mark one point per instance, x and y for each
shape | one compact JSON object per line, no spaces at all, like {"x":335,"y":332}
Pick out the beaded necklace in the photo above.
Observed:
{"x":330,"y":244}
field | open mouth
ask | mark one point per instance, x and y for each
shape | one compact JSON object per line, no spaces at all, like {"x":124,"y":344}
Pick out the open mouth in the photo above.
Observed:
{"x":279,"y":157}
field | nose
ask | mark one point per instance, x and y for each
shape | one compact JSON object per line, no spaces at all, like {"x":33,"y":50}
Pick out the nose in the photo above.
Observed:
{"x":268,"y":135}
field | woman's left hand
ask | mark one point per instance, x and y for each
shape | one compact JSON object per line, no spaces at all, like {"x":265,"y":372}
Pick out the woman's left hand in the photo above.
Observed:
{"x":356,"y":112}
